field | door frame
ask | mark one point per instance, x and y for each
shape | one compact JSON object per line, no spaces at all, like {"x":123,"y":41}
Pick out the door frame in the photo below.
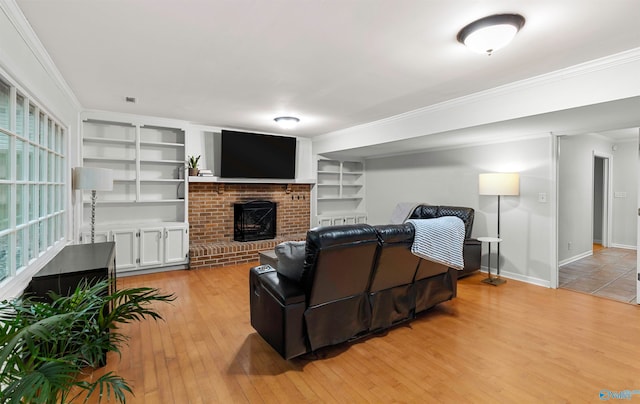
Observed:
{"x":607,"y":200}
{"x":638,"y":228}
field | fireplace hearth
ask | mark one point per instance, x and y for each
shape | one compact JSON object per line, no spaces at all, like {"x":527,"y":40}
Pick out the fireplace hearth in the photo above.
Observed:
{"x":254,"y":220}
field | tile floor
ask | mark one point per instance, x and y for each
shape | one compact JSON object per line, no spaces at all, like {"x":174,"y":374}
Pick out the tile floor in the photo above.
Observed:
{"x":609,"y":272}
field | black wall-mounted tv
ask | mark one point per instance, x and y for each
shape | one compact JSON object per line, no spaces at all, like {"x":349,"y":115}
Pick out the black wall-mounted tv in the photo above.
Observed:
{"x":254,"y":155}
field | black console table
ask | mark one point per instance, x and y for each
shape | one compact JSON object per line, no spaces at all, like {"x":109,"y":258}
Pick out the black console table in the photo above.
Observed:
{"x":75,"y":263}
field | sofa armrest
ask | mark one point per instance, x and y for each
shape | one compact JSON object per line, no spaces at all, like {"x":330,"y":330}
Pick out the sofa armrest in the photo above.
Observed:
{"x":277,"y":307}
{"x":284,"y":290}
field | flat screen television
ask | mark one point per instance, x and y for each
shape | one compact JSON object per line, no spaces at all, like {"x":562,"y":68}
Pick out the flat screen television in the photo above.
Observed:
{"x":254,"y":155}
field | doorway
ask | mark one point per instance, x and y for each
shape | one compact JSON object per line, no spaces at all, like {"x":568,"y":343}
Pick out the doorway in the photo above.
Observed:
{"x":601,"y":196}
{"x":592,"y":258}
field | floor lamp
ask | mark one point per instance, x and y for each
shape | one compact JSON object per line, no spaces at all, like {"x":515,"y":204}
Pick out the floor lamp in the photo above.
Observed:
{"x":500,"y":184}
{"x":93,"y":179}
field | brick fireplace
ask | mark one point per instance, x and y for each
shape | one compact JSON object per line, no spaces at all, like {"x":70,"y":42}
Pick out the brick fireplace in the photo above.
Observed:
{"x":211,"y":212}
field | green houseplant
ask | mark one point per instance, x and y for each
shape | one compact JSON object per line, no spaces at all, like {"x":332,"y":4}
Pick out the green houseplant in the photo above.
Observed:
{"x":47,"y":349}
{"x":193,"y":165}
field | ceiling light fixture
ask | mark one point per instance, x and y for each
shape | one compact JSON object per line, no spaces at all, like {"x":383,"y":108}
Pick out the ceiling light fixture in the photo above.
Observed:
{"x":491,"y":33}
{"x":287,"y":122}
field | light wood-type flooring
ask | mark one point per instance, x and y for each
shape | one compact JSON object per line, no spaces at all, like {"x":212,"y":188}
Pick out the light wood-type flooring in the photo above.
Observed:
{"x":609,"y":272}
{"x":515,"y":343}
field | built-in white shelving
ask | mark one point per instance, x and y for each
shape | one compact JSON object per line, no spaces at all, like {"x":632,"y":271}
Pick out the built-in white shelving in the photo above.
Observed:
{"x":340,"y":192}
{"x":146,"y":212}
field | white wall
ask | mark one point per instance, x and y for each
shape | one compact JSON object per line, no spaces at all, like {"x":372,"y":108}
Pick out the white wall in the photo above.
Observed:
{"x":451,"y":177}
{"x":575,"y":193}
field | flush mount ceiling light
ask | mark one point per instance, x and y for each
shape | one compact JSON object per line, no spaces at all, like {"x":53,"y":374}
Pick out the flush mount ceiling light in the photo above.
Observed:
{"x":491,"y":33}
{"x":287,"y":122}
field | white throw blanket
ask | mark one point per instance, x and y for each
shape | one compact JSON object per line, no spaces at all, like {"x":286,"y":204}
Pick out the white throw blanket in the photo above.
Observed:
{"x":439,"y":240}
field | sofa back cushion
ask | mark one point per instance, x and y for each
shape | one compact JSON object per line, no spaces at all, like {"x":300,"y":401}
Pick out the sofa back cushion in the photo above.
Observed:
{"x":433,"y":211}
{"x":395,"y":264}
{"x":338,"y":262}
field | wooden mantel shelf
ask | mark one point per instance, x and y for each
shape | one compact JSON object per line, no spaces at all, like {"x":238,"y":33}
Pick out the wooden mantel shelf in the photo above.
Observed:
{"x":251,"y":180}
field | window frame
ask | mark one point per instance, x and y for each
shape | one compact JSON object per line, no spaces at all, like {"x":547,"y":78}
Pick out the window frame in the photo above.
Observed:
{"x":43,"y":175}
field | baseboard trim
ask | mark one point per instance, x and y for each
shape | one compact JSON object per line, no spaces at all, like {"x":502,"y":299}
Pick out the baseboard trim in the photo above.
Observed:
{"x":150,"y":271}
{"x":519,"y":277}
{"x":624,"y":246}
{"x":575,"y":258}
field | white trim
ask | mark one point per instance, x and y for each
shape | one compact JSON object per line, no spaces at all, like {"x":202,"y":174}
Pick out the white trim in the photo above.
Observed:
{"x":24,"y":29}
{"x":624,"y":246}
{"x":154,"y":270}
{"x":554,"y":156}
{"x":521,"y":278}
{"x":575,"y":258}
{"x":133,"y":119}
{"x":607,"y":229}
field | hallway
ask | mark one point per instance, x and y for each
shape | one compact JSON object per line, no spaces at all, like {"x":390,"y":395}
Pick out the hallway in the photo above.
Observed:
{"x":609,"y":273}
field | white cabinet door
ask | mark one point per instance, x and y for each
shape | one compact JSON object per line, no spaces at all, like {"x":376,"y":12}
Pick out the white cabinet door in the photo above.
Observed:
{"x":349,"y":220}
{"x":176,"y":244}
{"x":324,"y":221}
{"x":361,"y":219}
{"x":98,"y":236}
{"x":126,"y":248}
{"x":337,"y":221}
{"x":151,"y":245}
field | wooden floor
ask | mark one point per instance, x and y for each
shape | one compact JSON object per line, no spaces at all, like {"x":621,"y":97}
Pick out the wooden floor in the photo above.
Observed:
{"x":516,"y":343}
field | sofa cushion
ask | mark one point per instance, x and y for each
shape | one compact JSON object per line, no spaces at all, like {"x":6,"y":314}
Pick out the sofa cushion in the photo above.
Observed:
{"x":395,"y":233}
{"x":434,"y":211}
{"x":290,"y":256}
{"x":425,"y":211}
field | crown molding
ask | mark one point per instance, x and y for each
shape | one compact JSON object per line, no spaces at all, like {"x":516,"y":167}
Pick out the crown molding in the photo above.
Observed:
{"x":607,"y":62}
{"x":24,"y":29}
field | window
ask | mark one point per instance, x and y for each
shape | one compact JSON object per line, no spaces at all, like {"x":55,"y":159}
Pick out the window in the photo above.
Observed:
{"x":32,"y":205}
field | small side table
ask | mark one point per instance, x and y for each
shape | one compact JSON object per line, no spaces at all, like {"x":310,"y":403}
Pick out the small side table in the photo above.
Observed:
{"x":495,"y":281}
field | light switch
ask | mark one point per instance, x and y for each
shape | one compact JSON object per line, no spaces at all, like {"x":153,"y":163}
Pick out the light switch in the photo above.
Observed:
{"x":542,"y":197}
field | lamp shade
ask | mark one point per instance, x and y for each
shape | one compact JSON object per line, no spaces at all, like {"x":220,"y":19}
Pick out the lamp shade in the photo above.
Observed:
{"x":94,"y":179}
{"x":499,"y":184}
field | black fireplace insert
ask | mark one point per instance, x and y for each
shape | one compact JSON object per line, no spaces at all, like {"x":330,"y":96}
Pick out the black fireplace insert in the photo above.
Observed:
{"x":255,"y":220}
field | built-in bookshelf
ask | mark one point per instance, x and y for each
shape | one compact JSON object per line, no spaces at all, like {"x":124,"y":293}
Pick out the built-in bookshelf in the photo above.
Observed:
{"x":340,"y":192}
{"x":148,"y":196}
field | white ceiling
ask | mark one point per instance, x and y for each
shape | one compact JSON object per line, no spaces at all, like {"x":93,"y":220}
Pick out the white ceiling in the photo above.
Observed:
{"x":332,"y":63}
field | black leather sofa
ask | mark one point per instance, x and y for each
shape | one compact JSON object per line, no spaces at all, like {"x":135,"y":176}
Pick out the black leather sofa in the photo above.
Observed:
{"x":355,"y":280}
{"x":472,"y":248}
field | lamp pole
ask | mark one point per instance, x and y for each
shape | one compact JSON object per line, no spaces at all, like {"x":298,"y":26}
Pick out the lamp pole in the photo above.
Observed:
{"x":498,"y":265}
{"x":94,"y":197}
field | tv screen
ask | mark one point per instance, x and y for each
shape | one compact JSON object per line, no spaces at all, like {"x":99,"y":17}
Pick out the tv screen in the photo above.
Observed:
{"x":253,"y":155}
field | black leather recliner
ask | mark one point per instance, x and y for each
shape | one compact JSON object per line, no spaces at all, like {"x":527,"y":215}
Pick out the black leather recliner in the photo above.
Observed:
{"x":392,"y":295}
{"x":356,"y":279}
{"x":472,"y":248}
{"x":337,"y":270}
